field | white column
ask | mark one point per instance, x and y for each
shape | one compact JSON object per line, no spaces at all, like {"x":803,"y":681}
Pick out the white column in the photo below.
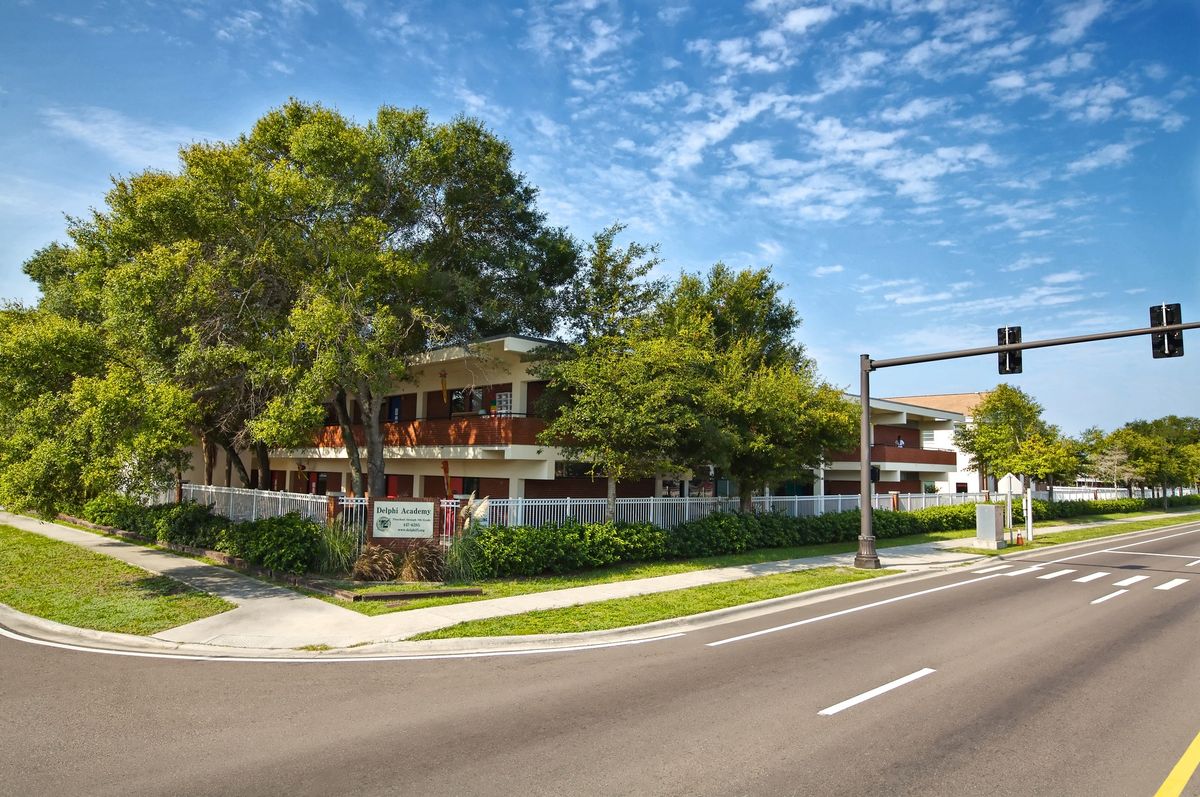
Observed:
{"x":516,"y":487}
{"x":819,"y":482}
{"x":520,"y":398}
{"x":421,"y":404}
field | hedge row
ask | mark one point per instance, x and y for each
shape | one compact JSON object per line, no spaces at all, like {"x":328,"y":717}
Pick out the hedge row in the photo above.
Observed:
{"x":288,"y":543}
{"x":513,"y":551}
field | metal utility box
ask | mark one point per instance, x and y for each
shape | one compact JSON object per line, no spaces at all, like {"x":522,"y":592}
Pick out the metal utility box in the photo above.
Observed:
{"x":989,"y":526}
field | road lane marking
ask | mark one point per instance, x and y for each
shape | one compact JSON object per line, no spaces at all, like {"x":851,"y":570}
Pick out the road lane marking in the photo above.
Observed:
{"x":1172,"y":584}
{"x":1168,"y":555}
{"x":1023,"y":571}
{"x":851,"y":610}
{"x":1092,"y":577}
{"x":1182,"y":772}
{"x":1128,"y":582}
{"x":1121,"y":548}
{"x":1109,"y":595}
{"x":1193,"y":564}
{"x":332,"y":659}
{"x":876,"y":692}
{"x":1049,"y":576}
{"x":993,"y":569}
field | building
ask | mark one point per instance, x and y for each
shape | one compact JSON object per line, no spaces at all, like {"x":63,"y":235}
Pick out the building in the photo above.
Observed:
{"x":962,"y":404}
{"x":473,"y":411}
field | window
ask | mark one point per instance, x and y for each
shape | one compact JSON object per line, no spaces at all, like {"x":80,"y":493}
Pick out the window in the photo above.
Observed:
{"x":571,"y":470}
{"x":910,"y":476}
{"x":960,"y":487}
{"x":470,"y":484}
{"x":331,"y":418}
{"x":926,"y":438}
{"x":504,"y":403}
{"x":467,"y":399}
{"x":393,"y":409}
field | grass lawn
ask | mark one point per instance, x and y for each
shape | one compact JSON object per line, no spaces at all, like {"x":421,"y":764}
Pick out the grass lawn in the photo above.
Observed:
{"x":1079,"y":535}
{"x":623,"y":612}
{"x":62,"y":582}
{"x":504,"y":588}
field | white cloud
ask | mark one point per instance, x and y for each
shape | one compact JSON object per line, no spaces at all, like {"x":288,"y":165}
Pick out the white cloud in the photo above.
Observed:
{"x":825,"y":271}
{"x":1063,"y":277}
{"x":916,"y":109}
{"x":671,"y":15}
{"x":1074,"y":20}
{"x":128,"y":142}
{"x":1108,"y":155}
{"x":1149,"y":109}
{"x":800,"y":20}
{"x":854,"y":71}
{"x":1026,"y":262}
{"x":246,"y":24}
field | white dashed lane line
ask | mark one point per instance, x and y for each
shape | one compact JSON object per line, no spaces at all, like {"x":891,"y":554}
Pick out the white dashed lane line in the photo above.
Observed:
{"x":1109,"y":596}
{"x":1128,"y":582}
{"x":1092,"y":577}
{"x":876,"y":692}
{"x":1023,"y":571}
{"x":993,"y":569}
{"x":1049,"y":576}
{"x":1172,"y":584}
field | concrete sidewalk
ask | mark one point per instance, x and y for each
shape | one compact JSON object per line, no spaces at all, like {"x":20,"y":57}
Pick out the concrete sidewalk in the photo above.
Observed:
{"x":271,"y":617}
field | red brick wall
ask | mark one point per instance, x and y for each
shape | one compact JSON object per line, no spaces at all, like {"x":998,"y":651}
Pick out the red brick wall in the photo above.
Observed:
{"x":493,"y":488}
{"x":888,"y":435}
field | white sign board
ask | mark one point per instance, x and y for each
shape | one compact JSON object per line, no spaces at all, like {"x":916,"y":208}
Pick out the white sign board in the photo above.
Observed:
{"x":403,"y":519}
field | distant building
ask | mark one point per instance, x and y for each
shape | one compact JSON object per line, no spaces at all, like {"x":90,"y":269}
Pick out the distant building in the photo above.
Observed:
{"x":963,"y":478}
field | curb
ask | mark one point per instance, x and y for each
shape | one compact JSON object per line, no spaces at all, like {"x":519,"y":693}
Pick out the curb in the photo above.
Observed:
{"x":101,"y":641}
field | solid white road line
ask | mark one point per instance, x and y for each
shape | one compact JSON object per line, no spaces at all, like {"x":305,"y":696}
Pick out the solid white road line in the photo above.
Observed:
{"x":876,"y":692}
{"x":1167,"y":555}
{"x":1110,"y":595}
{"x":1049,"y":576}
{"x":1172,"y":584}
{"x":1023,"y":571}
{"x":1121,"y":548}
{"x":1128,"y":582}
{"x":851,"y":610}
{"x":993,"y":569}
{"x":1092,"y":577}
{"x":485,"y":654}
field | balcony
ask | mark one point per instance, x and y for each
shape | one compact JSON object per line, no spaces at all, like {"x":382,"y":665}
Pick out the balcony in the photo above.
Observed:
{"x":467,"y":430}
{"x":898,"y":456}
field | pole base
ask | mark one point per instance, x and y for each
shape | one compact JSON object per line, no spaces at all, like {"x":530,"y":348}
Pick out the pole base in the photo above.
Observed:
{"x":867,"y":562}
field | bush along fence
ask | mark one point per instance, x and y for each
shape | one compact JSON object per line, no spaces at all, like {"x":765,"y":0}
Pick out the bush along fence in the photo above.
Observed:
{"x":290,"y":543}
{"x":498,"y":551}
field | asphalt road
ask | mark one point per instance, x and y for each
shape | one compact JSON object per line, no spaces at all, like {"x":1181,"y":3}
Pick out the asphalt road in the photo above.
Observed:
{"x":1007,"y":681}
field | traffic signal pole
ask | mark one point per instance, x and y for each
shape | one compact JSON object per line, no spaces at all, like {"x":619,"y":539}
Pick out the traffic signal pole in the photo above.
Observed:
{"x":867,"y":557}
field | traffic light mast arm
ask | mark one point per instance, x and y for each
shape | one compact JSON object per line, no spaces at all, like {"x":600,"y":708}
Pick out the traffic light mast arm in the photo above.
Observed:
{"x":1032,"y":344}
{"x":867,"y":555}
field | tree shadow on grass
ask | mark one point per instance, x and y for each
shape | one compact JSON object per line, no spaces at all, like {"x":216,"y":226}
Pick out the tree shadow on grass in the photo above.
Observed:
{"x":160,"y":587}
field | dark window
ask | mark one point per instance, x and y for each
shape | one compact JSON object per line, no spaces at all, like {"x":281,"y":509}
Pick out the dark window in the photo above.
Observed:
{"x":960,"y":487}
{"x":393,"y":408}
{"x":331,"y":418}
{"x":571,"y":470}
{"x":468,"y":399}
{"x":470,"y":484}
{"x":321,"y":483}
{"x":910,"y":476}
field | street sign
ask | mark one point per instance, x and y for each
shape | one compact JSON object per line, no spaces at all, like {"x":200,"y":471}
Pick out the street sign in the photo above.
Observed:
{"x":1166,"y":344}
{"x":1010,"y":361}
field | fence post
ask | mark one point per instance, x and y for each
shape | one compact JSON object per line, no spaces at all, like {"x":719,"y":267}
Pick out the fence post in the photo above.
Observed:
{"x":332,"y":505}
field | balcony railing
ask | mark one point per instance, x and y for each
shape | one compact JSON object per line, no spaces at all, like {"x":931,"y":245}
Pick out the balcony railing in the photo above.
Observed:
{"x":898,"y":455}
{"x":467,"y":430}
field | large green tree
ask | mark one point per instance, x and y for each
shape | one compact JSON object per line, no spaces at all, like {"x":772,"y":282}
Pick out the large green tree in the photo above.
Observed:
{"x":426,"y":235}
{"x":1000,"y":424}
{"x":771,"y":414}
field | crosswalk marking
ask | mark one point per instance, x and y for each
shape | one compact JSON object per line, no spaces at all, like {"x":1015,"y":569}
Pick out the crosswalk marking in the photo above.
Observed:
{"x":1023,"y":571}
{"x":1193,"y":564}
{"x":1092,"y":577}
{"x":993,"y":569}
{"x":1049,"y":576}
{"x":1125,"y":582}
{"x":1110,"y":595}
{"x":1172,"y":584}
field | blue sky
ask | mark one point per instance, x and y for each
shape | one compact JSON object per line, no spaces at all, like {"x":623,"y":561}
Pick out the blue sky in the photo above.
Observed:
{"x":916,"y":172}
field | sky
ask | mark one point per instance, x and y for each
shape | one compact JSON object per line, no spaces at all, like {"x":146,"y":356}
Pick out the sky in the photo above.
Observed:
{"x":916,"y":173}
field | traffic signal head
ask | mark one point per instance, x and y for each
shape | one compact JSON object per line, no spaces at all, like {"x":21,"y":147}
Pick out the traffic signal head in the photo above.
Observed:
{"x":1010,"y":361}
{"x":1166,"y":344}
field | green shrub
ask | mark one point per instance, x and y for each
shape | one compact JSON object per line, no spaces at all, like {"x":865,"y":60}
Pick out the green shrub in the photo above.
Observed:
{"x":337,"y":548}
{"x":188,"y":523}
{"x":288,"y":543}
{"x":111,"y":509}
{"x":463,"y":559}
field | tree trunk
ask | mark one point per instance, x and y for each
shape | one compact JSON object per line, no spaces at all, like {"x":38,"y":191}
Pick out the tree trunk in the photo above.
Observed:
{"x":344,"y":420}
{"x":610,"y":509}
{"x":746,"y":497}
{"x":1166,"y":504}
{"x":1050,"y":489}
{"x":234,"y":459}
{"x":372,"y":412}
{"x":263,"y":455}
{"x":210,"y":458}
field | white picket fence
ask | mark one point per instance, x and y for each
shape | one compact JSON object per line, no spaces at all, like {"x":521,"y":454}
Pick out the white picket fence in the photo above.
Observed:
{"x":242,"y":504}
